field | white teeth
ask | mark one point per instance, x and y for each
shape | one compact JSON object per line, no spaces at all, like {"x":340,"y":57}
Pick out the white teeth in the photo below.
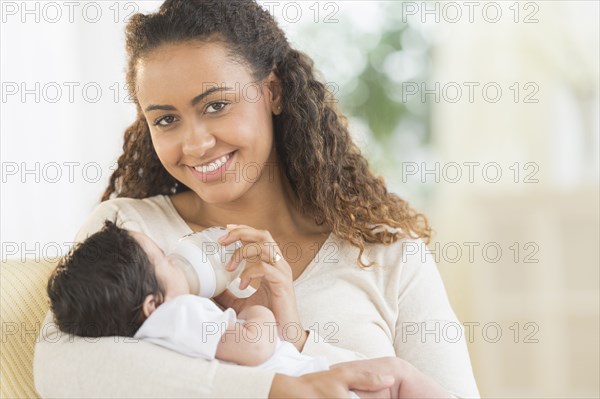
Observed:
{"x":211,"y":167}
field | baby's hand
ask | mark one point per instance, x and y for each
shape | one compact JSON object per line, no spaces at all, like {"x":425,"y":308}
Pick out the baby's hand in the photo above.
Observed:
{"x":252,"y":342}
{"x":260,"y":322}
{"x":255,"y":313}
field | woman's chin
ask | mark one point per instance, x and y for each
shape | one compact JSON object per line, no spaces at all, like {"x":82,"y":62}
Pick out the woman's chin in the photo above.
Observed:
{"x":218,"y":195}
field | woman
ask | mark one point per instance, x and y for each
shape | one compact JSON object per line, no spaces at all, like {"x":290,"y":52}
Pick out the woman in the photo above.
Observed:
{"x":233,"y":128}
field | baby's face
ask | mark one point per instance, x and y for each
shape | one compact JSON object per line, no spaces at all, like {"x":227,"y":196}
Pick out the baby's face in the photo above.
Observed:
{"x":170,"y":276}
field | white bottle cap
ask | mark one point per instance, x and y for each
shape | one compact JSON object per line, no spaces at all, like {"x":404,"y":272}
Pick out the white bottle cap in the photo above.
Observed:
{"x":234,"y":287}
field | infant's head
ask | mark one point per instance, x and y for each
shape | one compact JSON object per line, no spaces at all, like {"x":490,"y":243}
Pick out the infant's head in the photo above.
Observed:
{"x":111,"y":282}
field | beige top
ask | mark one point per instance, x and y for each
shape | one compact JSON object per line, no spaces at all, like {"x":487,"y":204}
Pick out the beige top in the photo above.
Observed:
{"x":399,"y":308}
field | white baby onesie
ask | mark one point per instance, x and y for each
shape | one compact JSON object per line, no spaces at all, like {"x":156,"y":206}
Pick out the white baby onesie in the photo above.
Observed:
{"x":193,"y":326}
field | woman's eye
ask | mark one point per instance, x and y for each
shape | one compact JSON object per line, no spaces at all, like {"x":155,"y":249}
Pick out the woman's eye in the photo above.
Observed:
{"x":164,"y":121}
{"x":216,"y":107}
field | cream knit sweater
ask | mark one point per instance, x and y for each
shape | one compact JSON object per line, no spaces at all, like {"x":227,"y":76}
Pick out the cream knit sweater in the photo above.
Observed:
{"x":398,"y":308}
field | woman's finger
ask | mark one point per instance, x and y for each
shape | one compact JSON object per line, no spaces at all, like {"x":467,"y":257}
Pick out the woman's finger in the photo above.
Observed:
{"x":246,"y":234}
{"x":226,"y":299}
{"x":364,"y":380}
{"x":369,"y":381}
{"x":255,"y":252}
{"x":337,"y":382}
{"x":262,"y":271}
{"x":248,"y":275}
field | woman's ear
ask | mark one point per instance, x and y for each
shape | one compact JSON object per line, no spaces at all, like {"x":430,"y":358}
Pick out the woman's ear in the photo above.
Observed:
{"x":150,"y":304}
{"x":274,"y":87}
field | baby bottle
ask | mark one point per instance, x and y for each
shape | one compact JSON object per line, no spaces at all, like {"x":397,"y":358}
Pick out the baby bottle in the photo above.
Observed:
{"x":202,"y":260}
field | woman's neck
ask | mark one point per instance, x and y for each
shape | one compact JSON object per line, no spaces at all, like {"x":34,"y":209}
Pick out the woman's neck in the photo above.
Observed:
{"x":269,"y":204}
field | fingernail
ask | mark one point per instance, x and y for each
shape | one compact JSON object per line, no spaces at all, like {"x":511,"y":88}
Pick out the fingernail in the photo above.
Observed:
{"x":231,"y":226}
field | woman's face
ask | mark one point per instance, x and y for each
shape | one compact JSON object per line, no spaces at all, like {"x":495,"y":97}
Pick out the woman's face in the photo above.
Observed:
{"x":211,"y":124}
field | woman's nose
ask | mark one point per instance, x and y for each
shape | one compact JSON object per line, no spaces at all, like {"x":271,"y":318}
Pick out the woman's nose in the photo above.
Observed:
{"x":197,"y":140}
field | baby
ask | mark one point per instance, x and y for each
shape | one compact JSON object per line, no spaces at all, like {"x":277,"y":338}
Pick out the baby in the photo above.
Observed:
{"x":120,"y":283}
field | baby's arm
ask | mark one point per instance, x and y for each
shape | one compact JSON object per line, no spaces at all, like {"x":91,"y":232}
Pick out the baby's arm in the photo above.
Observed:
{"x":252,"y":342}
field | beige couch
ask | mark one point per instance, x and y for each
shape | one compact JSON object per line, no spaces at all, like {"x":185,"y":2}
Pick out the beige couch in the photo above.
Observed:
{"x":23,"y":306}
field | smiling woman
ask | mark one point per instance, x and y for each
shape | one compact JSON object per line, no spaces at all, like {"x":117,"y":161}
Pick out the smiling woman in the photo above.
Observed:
{"x":233,"y":128}
{"x":197,"y":136}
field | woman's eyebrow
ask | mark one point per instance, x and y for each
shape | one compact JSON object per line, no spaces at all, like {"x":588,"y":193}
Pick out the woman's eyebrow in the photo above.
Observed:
{"x":194,"y":101}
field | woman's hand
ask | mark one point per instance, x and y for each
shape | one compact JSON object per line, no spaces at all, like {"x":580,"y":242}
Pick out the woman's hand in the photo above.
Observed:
{"x":334,"y":383}
{"x":265,"y":263}
{"x":409,"y":382}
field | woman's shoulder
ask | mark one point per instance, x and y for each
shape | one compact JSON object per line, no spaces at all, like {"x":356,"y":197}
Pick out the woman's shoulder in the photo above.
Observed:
{"x":139,"y":205}
{"x":405,"y":244}
{"x":405,"y":252}
{"x":126,"y":209}
{"x":396,"y":268}
{"x":154,"y":216}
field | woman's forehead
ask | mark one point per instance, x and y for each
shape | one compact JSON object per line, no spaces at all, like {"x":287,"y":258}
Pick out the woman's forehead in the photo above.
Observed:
{"x":187,"y":67}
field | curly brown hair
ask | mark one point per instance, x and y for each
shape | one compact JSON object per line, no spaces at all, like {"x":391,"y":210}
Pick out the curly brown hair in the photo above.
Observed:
{"x":98,"y":289}
{"x":330,"y":178}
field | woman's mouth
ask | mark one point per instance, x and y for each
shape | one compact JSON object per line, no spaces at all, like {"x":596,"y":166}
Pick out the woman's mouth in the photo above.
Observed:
{"x":213,"y":170}
{"x":214,"y":165}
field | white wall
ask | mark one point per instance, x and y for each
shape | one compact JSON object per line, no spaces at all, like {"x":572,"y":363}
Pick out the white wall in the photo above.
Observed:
{"x":59,"y":144}
{"x":541,"y":292}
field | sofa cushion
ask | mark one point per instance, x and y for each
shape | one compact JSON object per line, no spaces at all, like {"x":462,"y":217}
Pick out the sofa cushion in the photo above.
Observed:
{"x":23,"y":306}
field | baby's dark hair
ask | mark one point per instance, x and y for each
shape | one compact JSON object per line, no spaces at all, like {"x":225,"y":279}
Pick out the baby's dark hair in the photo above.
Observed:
{"x":98,"y":288}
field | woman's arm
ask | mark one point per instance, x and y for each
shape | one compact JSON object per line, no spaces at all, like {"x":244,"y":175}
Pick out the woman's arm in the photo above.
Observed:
{"x":70,"y":366}
{"x":334,"y":383}
{"x":276,"y":291}
{"x":313,"y":344}
{"x":428,"y":333}
{"x":67,"y":366}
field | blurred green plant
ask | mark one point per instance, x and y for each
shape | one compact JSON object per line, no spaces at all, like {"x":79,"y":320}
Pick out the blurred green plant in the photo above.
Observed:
{"x":382,"y":110}
{"x":373,"y":56}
